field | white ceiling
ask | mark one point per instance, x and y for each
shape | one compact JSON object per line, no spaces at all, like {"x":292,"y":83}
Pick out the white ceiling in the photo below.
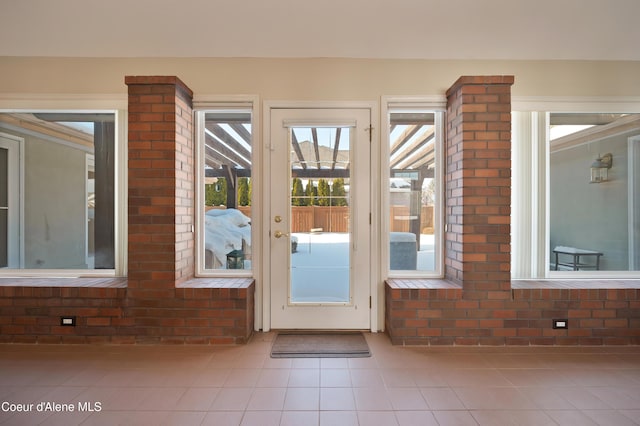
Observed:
{"x":428,"y":29}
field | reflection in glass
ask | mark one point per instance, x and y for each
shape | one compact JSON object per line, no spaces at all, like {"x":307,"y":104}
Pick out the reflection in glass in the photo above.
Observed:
{"x":227,"y":189}
{"x":412,"y":194}
{"x":320,"y":214}
{"x":68,"y":189}
{"x":587,"y":219}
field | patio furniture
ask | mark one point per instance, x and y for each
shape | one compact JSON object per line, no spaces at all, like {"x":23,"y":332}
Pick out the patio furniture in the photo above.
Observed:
{"x":403,"y":251}
{"x":574,"y":262}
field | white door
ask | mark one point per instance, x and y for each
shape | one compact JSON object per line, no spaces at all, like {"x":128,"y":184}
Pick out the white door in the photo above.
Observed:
{"x":9,"y":202}
{"x":319,"y":204}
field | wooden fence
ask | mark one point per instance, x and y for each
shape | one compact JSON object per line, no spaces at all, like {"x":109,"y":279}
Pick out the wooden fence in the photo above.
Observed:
{"x":336,"y":219}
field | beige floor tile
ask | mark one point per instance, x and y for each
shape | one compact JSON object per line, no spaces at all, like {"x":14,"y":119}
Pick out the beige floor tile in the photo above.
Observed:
{"x":441,"y":399}
{"x":365,"y":362}
{"x":105,"y":418}
{"x":232,"y":399}
{"x":337,"y":399}
{"x":302,"y":399}
{"x":377,"y":418}
{"x":300,"y":418}
{"x":305,"y":363}
{"x":398,"y":377}
{"x":366,"y":378}
{"x":484,"y":398}
{"x":514,"y":418}
{"x":267,"y":399}
{"x":338,"y":418}
{"x":571,"y":418}
{"x":454,"y":418}
{"x":475,"y":377}
{"x":212,"y":378}
{"x":407,"y":399}
{"x":197,"y":399}
{"x":261,"y":418}
{"x":161,"y":398}
{"x":610,"y":418}
{"x":136,"y":418}
{"x":184,"y":418}
{"x":547,"y":399}
{"x":242,"y":378}
{"x":223,"y":418}
{"x":285,"y":363}
{"x":582,"y":399}
{"x":335,"y":377}
{"x":371,"y":399}
{"x":304,"y":378}
{"x":334,"y":363}
{"x":273,"y":378}
{"x":416,"y":418}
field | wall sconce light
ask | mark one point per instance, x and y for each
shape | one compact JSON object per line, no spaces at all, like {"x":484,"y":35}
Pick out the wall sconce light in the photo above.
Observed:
{"x":600,"y":168}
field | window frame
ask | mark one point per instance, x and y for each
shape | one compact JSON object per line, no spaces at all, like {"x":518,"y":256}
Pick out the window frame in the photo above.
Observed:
{"x":432,"y":104}
{"x":201,"y":106}
{"x":81,"y":104}
{"x":530,"y":216}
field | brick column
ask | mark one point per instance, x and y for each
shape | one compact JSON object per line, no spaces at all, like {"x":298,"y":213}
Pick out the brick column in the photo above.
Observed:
{"x":161,"y":186}
{"x":478,"y":186}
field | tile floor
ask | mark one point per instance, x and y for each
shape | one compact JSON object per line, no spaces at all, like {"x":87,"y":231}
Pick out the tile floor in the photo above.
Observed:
{"x":242,"y":385}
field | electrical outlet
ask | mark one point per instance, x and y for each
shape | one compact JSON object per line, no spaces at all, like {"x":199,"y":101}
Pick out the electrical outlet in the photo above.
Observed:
{"x":560,"y":323}
{"x":68,"y":321}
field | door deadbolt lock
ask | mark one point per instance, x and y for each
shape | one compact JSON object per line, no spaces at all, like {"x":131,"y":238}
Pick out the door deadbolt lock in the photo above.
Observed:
{"x":277,"y":219}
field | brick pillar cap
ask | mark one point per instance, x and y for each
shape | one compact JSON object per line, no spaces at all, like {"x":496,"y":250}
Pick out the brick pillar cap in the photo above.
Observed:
{"x":132,"y":80}
{"x":466,"y":80}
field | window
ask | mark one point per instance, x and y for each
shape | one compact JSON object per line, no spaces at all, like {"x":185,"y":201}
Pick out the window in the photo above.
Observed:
{"x":413,"y":192}
{"x":585,"y":179}
{"x":58,"y":191}
{"x":226,"y":187}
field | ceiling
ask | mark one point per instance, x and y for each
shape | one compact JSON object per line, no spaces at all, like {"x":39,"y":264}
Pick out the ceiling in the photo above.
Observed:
{"x":420,"y":29}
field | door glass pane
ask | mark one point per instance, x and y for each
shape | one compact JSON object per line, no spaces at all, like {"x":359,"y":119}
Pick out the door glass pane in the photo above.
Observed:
{"x":412,"y":191}
{"x":320,"y":214}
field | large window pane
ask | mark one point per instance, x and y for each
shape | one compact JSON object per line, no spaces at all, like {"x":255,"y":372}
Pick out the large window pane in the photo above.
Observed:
{"x":67,"y":189}
{"x":4,"y":207}
{"x":227,"y":189}
{"x":412,"y":191}
{"x":594,"y":184}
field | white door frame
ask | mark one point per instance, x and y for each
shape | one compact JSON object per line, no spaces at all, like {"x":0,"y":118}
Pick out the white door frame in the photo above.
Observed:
{"x":15,"y":146}
{"x":265,"y":272}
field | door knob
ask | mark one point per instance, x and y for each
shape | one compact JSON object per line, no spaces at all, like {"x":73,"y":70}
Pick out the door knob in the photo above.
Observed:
{"x":280,"y":234}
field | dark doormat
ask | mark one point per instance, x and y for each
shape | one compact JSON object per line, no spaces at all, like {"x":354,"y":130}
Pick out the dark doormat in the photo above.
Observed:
{"x":305,"y":344}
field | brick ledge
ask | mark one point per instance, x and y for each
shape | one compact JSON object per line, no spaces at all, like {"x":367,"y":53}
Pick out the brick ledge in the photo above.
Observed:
{"x":102,"y":282}
{"x":218,"y":282}
{"x":421,"y":283}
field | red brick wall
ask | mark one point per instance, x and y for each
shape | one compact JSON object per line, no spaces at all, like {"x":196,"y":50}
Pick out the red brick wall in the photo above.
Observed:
{"x":32,"y":315}
{"x":161,"y":180}
{"x":478,"y":186}
{"x":441,"y":316}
